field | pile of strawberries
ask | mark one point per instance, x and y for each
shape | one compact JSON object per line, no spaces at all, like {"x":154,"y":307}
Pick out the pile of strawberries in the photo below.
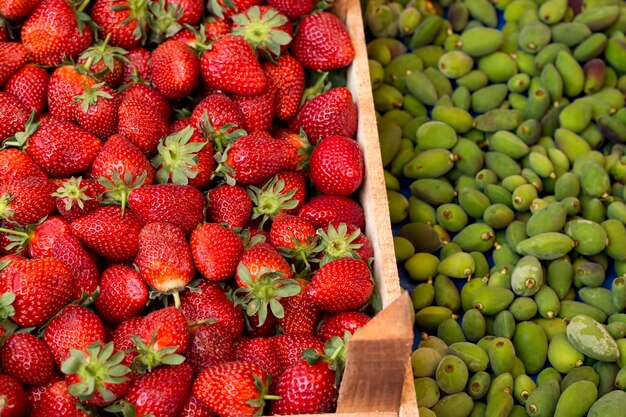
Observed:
{"x":179,"y":231}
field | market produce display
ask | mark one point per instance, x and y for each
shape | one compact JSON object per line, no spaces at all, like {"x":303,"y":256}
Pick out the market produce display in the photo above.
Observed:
{"x":180,"y":231}
{"x":502,"y":128}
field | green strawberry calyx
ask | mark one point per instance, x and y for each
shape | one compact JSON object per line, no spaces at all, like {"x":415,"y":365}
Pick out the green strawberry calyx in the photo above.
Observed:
{"x":91,"y":96}
{"x":271,"y":200}
{"x":138,"y":12}
{"x":335,"y":243}
{"x":335,"y":354}
{"x":6,"y":305}
{"x":262,"y":388}
{"x":217,"y":9}
{"x":73,"y":193}
{"x":104,"y":52}
{"x":164,"y":22}
{"x":21,"y":138}
{"x":118,"y":189}
{"x":98,"y":366}
{"x":150,"y":358}
{"x":262,"y":31}
{"x":125,"y":408}
{"x":177,"y":157}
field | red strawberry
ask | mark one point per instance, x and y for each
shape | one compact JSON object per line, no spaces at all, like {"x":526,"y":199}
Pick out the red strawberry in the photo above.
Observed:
{"x":125,"y":20}
{"x":324,"y":209}
{"x":41,"y":288}
{"x":229,"y":204}
{"x":284,"y":193}
{"x":295,"y":395}
{"x":76,"y":197}
{"x":56,"y":401}
{"x":122,"y":340}
{"x":14,"y":56}
{"x":166,"y":268}
{"x":96,"y":110}
{"x":191,"y":10}
{"x":54,"y":32}
{"x":255,"y":328}
{"x":43,"y":237}
{"x":27,"y":359}
{"x":349,"y":292}
{"x":209,"y":346}
{"x":290,"y":347}
{"x":185,"y":157}
{"x":139,"y":65}
{"x":86,"y":275}
{"x":209,"y":302}
{"x":330,"y":114}
{"x":216,"y":251}
{"x":215,"y":27}
{"x":18,"y":9}
{"x":150,"y":97}
{"x":245,"y":395}
{"x":231,"y":66}
{"x":287,"y":76}
{"x":13,"y":397}
{"x":336,"y":325}
{"x":77,"y":328}
{"x":143,"y":126}
{"x":301,"y":314}
{"x":218,"y":118}
{"x":292,"y":233}
{"x":26,"y":200}
{"x":15,"y":163}
{"x":112,"y":235}
{"x":66,"y":82}
{"x":13,"y":116}
{"x":262,"y":256}
{"x":323,"y":43}
{"x":121,"y":156}
{"x":254,"y":158}
{"x":337,"y":166}
{"x":268,"y":31}
{"x":293,"y":9}
{"x":258,"y":111}
{"x":344,"y":241}
{"x":228,"y":8}
{"x":30,"y":86}
{"x":175,"y":69}
{"x":180,"y":205}
{"x":195,"y":408}
{"x":298,"y":151}
{"x":105,"y":61}
{"x":261,"y":352}
{"x":162,"y":392}
{"x":35,"y":394}
{"x":123,"y":294}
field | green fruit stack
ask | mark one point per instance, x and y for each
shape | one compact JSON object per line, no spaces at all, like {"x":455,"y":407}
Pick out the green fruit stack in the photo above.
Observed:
{"x":502,"y":128}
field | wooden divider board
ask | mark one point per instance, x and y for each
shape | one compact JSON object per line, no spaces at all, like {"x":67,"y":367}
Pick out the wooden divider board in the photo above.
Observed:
{"x":378,"y":380}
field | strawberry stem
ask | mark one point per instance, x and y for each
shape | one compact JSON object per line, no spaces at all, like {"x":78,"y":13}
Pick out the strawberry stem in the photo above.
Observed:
{"x":83,"y":5}
{"x":272,"y":397}
{"x":176,"y":299}
{"x":14,"y":232}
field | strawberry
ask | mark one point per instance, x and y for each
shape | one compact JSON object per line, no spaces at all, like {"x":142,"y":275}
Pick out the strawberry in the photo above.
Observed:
{"x":227,"y":8}
{"x":295,"y":395}
{"x":41,"y":288}
{"x":255,"y":328}
{"x":4,"y":30}
{"x":27,"y":359}
{"x":298,"y":151}
{"x":13,"y":116}
{"x":294,"y":10}
{"x":123,"y":294}
{"x":166,"y":268}
{"x":26,"y":200}
{"x":191,"y":10}
{"x":229,"y":204}
{"x":219,"y":119}
{"x":301,"y":314}
{"x":83,"y":267}
{"x":261,"y":352}
{"x":339,"y":323}
{"x":216,"y":27}
{"x":105,"y":61}
{"x":323,"y":43}
{"x":126,"y":21}
{"x":112,"y":235}
{"x":343,"y":241}
{"x":150,"y":97}
{"x":18,"y":9}
{"x":66,"y":82}
{"x":209,"y":302}
{"x":14,"y":56}
{"x":258,"y":111}
{"x":184,"y":157}
{"x":283,"y":193}
{"x":291,"y":233}
{"x":337,"y":166}
{"x":120,"y":155}
{"x":76,"y":327}
{"x":35,"y":394}
{"x":95,"y":375}
{"x":39,"y":239}
{"x":12,"y":397}
{"x":15,"y":163}
{"x":216,"y":251}
{"x":96,"y":110}
{"x":122,"y":339}
{"x":195,"y":408}
{"x":30,"y":86}
{"x":76,"y":197}
{"x":231,"y":66}
{"x":54,"y":32}
{"x":324,"y":209}
{"x":245,"y":396}
{"x":258,"y":257}
{"x":266,"y":30}
{"x":161,"y":393}
{"x":290,"y":347}
{"x":209,"y":346}
{"x":349,"y":292}
{"x":254,"y":158}
{"x":58,"y":402}
{"x":139,"y":65}
{"x":180,"y":205}
{"x":143,"y":126}
{"x":175,"y":69}
{"x":287,"y":76}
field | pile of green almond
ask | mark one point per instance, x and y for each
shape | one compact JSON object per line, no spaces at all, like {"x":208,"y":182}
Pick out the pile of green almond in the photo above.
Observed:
{"x":502,"y":127}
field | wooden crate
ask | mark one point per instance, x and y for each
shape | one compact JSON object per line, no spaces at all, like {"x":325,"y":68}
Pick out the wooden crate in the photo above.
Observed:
{"x":378,"y":381}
